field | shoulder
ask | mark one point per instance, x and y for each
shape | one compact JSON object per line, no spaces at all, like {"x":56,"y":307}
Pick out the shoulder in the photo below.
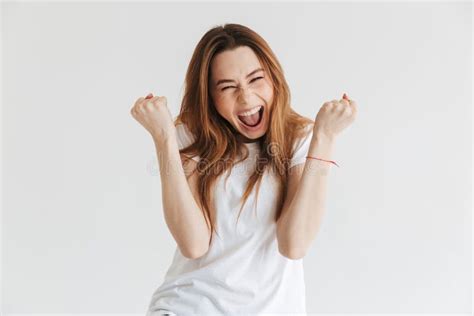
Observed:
{"x":184,"y":137}
{"x":301,"y":146}
{"x":304,"y":138}
{"x":183,"y":132}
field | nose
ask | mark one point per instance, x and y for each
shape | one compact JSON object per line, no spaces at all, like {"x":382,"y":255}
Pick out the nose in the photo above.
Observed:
{"x":244,"y":95}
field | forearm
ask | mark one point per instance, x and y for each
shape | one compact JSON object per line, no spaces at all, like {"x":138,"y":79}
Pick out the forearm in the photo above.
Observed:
{"x":301,"y":221}
{"x":182,"y":214}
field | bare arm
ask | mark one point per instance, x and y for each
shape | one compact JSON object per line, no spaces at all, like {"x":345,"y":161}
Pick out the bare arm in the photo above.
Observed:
{"x":183,"y":215}
{"x":304,"y":205}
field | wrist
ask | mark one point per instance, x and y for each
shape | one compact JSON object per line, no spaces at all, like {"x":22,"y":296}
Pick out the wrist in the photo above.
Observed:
{"x":321,"y":146}
{"x":323,"y":136}
{"x":163,"y":141}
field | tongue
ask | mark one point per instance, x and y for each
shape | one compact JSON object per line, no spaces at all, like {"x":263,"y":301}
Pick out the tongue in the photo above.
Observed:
{"x":250,"y":120}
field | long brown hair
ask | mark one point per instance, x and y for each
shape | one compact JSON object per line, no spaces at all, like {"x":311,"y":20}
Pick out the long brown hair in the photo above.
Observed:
{"x":215,"y":138}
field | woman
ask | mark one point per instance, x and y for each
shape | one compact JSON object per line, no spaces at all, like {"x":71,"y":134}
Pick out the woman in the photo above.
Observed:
{"x":237,"y":143}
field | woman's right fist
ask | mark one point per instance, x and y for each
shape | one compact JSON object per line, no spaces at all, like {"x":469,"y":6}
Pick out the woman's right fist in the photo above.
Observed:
{"x":153,"y":114}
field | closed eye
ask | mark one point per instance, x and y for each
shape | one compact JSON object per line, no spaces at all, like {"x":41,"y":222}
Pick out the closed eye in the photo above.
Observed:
{"x":254,"y":79}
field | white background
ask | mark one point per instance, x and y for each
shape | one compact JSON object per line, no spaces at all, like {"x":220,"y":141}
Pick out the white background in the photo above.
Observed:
{"x":83,"y":228}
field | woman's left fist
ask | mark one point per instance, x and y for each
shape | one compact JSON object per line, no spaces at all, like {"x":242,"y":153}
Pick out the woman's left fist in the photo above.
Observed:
{"x":334,"y":116}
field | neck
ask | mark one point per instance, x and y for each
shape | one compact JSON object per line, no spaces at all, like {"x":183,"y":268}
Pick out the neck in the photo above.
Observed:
{"x":247,"y":140}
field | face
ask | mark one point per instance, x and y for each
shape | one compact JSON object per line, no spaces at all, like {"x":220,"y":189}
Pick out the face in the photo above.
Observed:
{"x":239,"y":87}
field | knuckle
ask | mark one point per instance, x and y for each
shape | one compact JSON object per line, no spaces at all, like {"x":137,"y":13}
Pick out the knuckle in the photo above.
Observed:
{"x":149,"y":104}
{"x":162,"y":100}
{"x":139,"y":100}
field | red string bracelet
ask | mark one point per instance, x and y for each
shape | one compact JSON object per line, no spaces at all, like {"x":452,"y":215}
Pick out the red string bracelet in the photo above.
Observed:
{"x":324,"y":160}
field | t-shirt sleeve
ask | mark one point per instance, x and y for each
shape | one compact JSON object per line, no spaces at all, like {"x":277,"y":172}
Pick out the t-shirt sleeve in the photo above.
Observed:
{"x":302,"y":147}
{"x":184,"y":138}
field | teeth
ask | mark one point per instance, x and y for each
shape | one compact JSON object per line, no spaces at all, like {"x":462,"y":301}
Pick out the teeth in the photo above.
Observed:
{"x":252,"y":111}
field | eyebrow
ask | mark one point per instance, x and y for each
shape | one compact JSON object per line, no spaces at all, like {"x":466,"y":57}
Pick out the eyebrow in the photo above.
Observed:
{"x":229,"y":80}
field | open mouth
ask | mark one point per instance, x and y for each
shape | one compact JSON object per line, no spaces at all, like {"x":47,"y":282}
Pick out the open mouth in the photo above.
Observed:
{"x":252,"y":121}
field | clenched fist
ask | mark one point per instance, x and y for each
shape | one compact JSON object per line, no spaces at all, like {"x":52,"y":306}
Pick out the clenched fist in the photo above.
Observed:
{"x":153,"y":114}
{"x":334,"y":116}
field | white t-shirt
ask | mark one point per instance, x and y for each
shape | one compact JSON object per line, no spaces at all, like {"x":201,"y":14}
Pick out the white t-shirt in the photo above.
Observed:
{"x":243,"y":272}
